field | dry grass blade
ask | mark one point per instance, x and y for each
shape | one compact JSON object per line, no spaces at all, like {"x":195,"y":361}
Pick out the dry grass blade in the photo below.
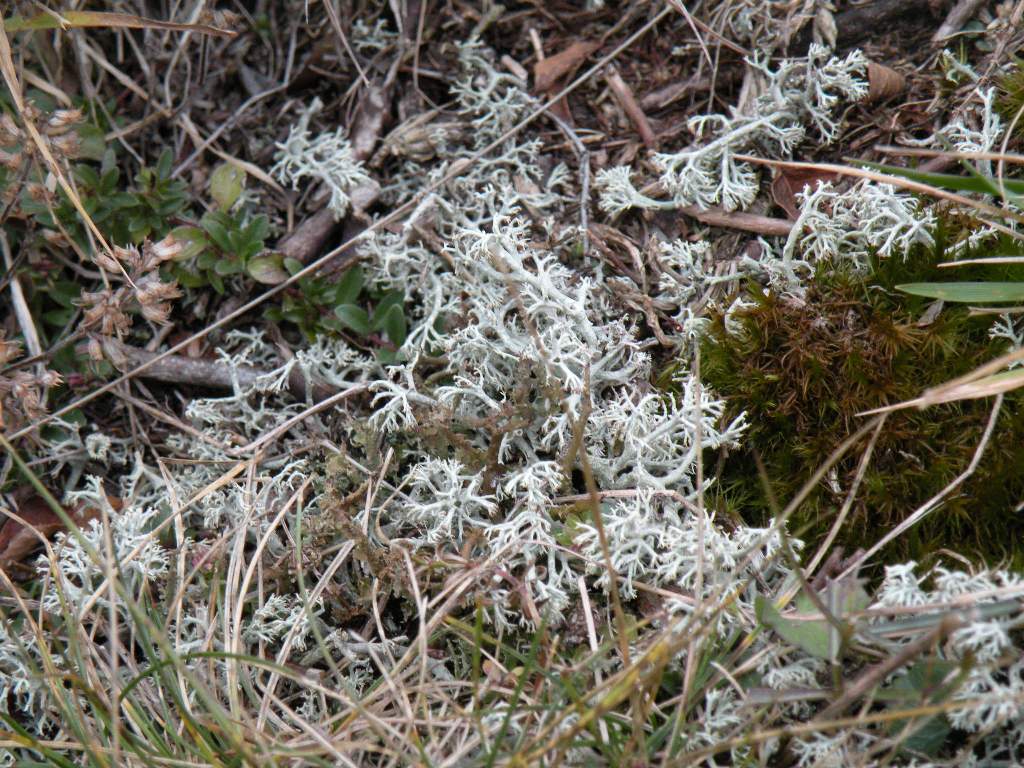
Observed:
{"x":104,"y":20}
{"x":896,"y":181}
{"x":985,"y":381}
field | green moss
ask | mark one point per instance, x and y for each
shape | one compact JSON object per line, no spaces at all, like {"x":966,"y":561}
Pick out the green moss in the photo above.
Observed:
{"x":804,"y":369}
{"x":1010,"y":102}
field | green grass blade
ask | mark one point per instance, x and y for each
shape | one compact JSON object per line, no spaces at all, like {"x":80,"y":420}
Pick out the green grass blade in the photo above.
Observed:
{"x":527,"y":672}
{"x":977,"y":183}
{"x":968,"y":292}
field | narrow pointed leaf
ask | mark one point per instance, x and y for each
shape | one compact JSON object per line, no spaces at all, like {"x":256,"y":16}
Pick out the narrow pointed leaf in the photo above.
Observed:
{"x":968,"y":292}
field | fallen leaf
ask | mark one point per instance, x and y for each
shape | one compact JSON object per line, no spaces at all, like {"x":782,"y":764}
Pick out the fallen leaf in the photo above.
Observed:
{"x":883,"y":83}
{"x":368,"y":123}
{"x":18,"y":541}
{"x":789,"y":182}
{"x":549,"y":71}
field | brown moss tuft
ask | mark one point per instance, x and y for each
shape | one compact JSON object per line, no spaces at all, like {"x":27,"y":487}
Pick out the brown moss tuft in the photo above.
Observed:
{"x":803,"y":369}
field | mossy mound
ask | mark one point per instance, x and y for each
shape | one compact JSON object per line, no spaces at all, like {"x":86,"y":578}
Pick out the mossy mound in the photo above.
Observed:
{"x":804,"y":369}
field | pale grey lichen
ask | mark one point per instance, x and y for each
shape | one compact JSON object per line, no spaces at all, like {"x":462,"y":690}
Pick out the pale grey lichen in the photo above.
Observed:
{"x":799,"y":97}
{"x":852,"y":225}
{"x":463,"y":451}
{"x":326,"y":158}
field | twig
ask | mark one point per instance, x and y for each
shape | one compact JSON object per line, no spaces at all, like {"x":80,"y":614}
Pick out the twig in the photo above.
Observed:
{"x":215,"y":374}
{"x":662,"y":97}
{"x":958,"y":15}
{"x":21,"y":310}
{"x":309,"y":237}
{"x":624,"y":95}
{"x":749,"y":222}
{"x":583,"y":159}
{"x":696,"y":24}
{"x":332,"y":14}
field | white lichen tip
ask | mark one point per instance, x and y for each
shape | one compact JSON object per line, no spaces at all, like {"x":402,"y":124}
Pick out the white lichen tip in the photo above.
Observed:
{"x":327,"y":159}
{"x":869,"y":218}
{"x":800,"y":97}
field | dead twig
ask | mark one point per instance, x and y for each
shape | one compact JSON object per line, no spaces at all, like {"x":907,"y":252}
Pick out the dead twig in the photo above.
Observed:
{"x":958,"y":15}
{"x":215,"y":374}
{"x":309,"y":237}
{"x":624,"y":95}
{"x":583,"y":159}
{"x":748,"y":222}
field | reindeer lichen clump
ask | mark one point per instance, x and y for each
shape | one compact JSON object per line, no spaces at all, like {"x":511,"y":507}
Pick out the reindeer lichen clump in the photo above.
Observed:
{"x":800,"y":97}
{"x":513,"y":449}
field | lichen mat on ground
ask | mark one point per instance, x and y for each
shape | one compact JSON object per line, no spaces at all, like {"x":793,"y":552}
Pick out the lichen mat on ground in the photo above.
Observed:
{"x":495,"y":483}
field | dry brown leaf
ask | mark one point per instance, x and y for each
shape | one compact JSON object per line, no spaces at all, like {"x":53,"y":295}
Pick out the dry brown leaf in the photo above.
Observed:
{"x":18,"y":541}
{"x":549,"y":71}
{"x":368,"y":123}
{"x":789,"y":181}
{"x":884,"y":83}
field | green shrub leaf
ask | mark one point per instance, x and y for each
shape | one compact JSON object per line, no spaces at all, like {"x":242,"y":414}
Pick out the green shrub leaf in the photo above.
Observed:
{"x":268,"y":269}
{"x":394,"y":325}
{"x":226,"y":184}
{"x":354,"y":318}
{"x":350,"y":286}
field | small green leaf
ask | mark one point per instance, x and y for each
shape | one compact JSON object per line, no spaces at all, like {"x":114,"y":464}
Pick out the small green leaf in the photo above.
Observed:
{"x":91,"y":142}
{"x":354,"y":318}
{"x":65,"y":292}
{"x":929,"y":681}
{"x":267,"y":269}
{"x":380,"y":312}
{"x":257,"y":229}
{"x":394,"y":324}
{"x":58,"y":318}
{"x":966,"y":292}
{"x":88,"y":176}
{"x":193,"y":241}
{"x":189,"y":279}
{"x":806,"y":627}
{"x":228,"y":266}
{"x":215,"y":228}
{"x":350,"y":286}
{"x":811,"y":635}
{"x":226,"y":184}
{"x":292,"y":265}
{"x":386,"y":356}
{"x":207,"y":259}
{"x":163,"y":165}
